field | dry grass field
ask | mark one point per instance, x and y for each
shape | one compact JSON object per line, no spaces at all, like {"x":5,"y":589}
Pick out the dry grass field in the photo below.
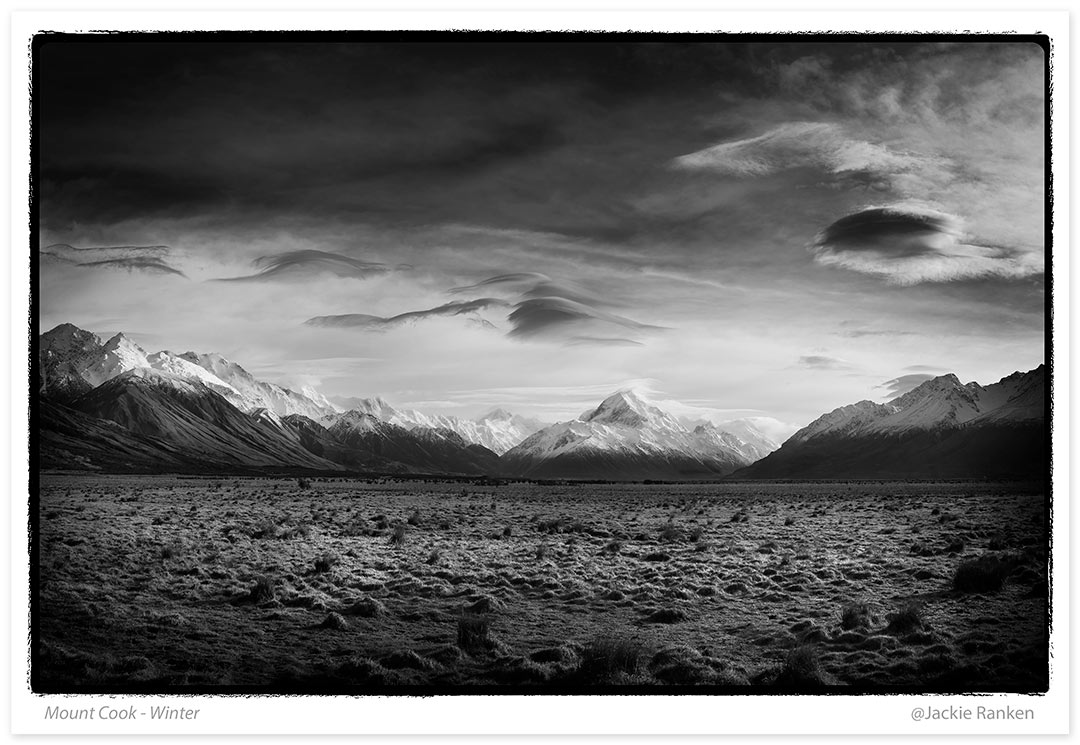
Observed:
{"x":169,"y":583}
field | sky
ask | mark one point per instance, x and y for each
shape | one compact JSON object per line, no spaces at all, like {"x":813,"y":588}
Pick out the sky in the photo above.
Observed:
{"x":767,"y":229}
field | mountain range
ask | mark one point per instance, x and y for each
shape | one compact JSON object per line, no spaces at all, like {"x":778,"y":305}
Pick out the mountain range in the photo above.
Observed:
{"x":941,"y":429}
{"x":108,"y":405}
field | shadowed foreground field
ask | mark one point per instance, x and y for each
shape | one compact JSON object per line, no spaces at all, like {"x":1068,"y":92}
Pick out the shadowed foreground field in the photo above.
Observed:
{"x":166,"y":583}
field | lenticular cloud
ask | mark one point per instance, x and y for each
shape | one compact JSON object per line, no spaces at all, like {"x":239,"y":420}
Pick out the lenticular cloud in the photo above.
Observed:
{"x":910,"y":245}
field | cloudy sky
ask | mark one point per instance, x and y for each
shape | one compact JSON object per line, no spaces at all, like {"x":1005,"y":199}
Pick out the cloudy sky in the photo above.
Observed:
{"x":770,"y":229}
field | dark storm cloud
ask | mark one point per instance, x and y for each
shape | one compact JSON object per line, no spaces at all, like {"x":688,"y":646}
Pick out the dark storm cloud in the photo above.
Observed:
{"x":904,"y":383}
{"x":380,"y":323}
{"x":132,"y":258}
{"x":290,"y":262}
{"x":910,"y":245}
{"x":500,"y":133}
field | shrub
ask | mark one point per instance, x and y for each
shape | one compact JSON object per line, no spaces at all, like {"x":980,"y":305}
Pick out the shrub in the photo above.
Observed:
{"x":303,"y":483}
{"x":473,"y":632}
{"x":986,"y":573}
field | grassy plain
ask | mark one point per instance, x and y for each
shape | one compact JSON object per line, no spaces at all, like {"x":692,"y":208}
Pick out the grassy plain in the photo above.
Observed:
{"x":166,"y":583}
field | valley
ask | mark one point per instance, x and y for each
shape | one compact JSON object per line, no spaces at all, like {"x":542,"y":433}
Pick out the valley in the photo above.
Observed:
{"x":184,"y":583}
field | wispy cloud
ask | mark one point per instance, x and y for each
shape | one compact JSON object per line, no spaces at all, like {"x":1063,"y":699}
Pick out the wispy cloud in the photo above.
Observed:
{"x":819,"y":145}
{"x":294,"y":262}
{"x":822,"y":362}
{"x":860,"y":333}
{"x":149,"y":259}
{"x":599,"y":341}
{"x":380,"y":323}
{"x":534,"y":285}
{"x":908,"y":245}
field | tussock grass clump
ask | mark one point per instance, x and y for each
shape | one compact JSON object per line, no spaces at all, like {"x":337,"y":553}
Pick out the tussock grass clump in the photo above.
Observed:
{"x":666,"y":615}
{"x":365,"y":608}
{"x":558,"y":525}
{"x":397,"y":535}
{"x":335,"y":621}
{"x":325,"y":563}
{"x":986,"y":573}
{"x":671,"y":533}
{"x":474,"y":632}
{"x":605,"y":659}
{"x":172,"y":549}
{"x":855,"y":616}
{"x":263,"y":590}
{"x":908,"y":618}
{"x":802,"y":669}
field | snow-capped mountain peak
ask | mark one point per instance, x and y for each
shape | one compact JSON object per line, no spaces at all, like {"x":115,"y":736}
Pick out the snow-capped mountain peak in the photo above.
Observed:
{"x":627,"y":437}
{"x":118,"y":355}
{"x":496,"y":415}
{"x":941,"y":402}
{"x":624,"y":408}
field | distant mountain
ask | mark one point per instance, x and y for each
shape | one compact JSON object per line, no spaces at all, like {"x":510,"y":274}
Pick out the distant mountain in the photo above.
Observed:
{"x":628,"y":438}
{"x":317,"y":440}
{"x":195,"y":420}
{"x":941,"y":429}
{"x":73,"y":361}
{"x":431,"y":450}
{"x":69,"y":439}
{"x":498,"y":430}
{"x":257,"y":394}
